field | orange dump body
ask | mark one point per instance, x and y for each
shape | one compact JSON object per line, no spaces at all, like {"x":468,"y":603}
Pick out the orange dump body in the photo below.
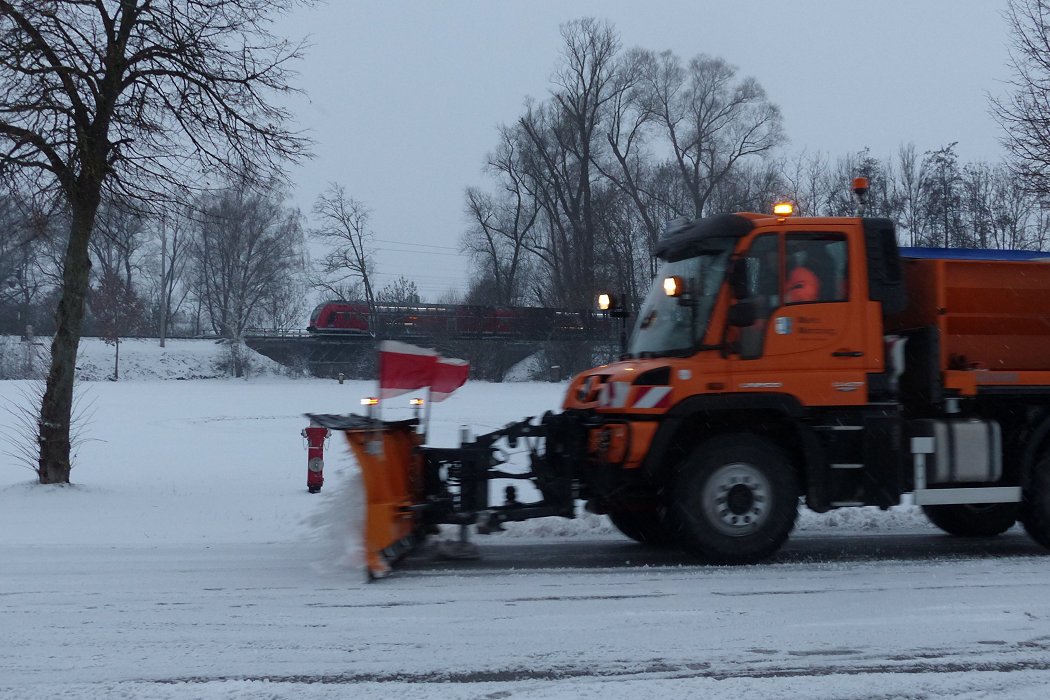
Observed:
{"x":991,"y":315}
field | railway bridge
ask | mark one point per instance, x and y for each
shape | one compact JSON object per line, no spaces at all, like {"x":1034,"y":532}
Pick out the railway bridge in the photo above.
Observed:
{"x":491,"y":356}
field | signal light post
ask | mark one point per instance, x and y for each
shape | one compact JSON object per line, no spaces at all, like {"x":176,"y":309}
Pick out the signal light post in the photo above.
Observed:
{"x":614,"y":307}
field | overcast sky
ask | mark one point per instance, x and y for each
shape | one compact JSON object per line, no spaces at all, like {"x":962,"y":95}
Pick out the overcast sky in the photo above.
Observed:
{"x":404,"y":97}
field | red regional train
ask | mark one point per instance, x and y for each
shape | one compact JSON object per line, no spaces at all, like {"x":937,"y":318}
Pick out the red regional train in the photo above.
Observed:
{"x":460,"y":319}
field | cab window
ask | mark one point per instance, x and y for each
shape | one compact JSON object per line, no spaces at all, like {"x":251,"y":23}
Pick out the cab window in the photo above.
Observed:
{"x":762,"y":291}
{"x":816,"y":268}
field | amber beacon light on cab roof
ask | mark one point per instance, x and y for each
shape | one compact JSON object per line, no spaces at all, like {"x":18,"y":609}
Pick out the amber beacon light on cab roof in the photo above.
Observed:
{"x":777,"y":359}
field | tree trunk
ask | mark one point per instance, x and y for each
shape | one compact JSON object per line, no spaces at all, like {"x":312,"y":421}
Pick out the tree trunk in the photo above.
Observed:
{"x":116,"y":362}
{"x":56,"y":409}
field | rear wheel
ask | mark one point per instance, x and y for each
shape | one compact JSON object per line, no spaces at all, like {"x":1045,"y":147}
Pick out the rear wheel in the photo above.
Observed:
{"x":973,"y":520}
{"x":1035,"y":509}
{"x":735,"y":499}
{"x":645,"y":526}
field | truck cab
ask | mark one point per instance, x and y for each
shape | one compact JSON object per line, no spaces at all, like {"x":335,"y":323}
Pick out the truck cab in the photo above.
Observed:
{"x":728,"y":326}
{"x":777,"y":357}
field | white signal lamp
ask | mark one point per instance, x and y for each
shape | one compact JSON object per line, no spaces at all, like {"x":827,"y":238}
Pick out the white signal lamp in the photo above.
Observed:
{"x":673,"y":286}
{"x":605,"y":301}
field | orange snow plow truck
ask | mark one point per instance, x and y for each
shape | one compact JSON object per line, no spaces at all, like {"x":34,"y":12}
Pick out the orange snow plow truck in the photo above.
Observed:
{"x":776,"y":358}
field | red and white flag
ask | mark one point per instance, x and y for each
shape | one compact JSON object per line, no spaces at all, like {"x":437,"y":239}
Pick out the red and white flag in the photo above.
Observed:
{"x":449,"y":375}
{"x":404,"y":368}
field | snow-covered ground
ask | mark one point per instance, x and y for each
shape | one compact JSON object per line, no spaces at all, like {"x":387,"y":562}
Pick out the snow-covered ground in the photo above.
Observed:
{"x":188,"y":561}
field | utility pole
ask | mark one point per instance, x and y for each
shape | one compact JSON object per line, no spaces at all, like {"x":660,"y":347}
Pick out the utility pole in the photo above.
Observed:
{"x":163,"y":277}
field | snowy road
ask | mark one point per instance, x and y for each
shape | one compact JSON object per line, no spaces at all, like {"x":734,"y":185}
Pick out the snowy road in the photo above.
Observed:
{"x":834,"y":615}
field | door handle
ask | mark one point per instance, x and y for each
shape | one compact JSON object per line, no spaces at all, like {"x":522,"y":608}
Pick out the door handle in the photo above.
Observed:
{"x":847,"y":353}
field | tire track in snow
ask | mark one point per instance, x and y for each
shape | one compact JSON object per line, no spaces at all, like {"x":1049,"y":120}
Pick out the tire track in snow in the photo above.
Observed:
{"x":655,"y":669}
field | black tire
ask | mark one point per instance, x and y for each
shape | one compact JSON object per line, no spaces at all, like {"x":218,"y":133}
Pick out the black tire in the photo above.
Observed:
{"x":735,"y":499}
{"x":1035,"y":508}
{"x":973,"y":520}
{"x":644,"y":526}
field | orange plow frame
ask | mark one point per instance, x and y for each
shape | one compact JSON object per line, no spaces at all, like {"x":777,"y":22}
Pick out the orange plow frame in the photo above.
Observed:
{"x":409,"y":489}
{"x":392,"y":471}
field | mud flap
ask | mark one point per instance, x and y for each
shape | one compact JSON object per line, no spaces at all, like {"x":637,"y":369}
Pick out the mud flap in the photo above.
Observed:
{"x":392,"y":472}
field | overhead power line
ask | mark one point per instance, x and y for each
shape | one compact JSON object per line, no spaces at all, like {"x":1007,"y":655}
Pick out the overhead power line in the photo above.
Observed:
{"x":421,"y":252}
{"x":418,"y":245}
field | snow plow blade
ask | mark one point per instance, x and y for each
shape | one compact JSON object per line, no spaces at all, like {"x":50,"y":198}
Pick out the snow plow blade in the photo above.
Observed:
{"x":392,"y":473}
{"x":410,"y":489}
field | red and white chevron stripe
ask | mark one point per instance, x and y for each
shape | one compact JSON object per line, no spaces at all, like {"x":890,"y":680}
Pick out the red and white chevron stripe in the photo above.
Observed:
{"x":615,"y":394}
{"x":653,"y":397}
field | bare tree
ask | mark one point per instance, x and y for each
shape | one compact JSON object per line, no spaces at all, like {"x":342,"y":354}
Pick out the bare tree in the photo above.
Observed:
{"x":120,"y":234}
{"x":806,"y":183}
{"x":118,"y":311}
{"x":942,"y":197}
{"x":911,"y":183}
{"x":128,"y":96}
{"x":623,"y":268}
{"x":976,"y":200}
{"x":565,"y":137}
{"x":1024,"y":114}
{"x":884,"y":197}
{"x":502,"y":225}
{"x":632,"y":168}
{"x":628,"y":124}
{"x":342,"y":224}
{"x":173,"y":248}
{"x":1014,"y":211}
{"x":248,"y":249}
{"x":12,"y":240}
{"x":26,"y":231}
{"x":400,"y":291}
{"x":281,"y":308}
{"x":711,"y":119}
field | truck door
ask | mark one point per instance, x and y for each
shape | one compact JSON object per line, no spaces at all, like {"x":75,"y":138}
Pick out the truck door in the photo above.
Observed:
{"x":813,"y":341}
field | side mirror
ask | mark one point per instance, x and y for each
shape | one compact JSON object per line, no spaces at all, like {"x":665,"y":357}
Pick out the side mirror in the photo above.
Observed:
{"x":742,"y":313}
{"x":738,"y":278}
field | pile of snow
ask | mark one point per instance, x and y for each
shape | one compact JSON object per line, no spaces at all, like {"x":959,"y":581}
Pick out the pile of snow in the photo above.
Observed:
{"x":526,"y":369}
{"x":140,"y":359}
{"x":903,"y":518}
{"x":898,"y":518}
{"x":337,"y":524}
{"x":143,"y":358}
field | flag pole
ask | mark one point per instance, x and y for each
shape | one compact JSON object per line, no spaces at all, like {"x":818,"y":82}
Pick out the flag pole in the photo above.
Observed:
{"x":426,"y":417}
{"x":379,"y":382}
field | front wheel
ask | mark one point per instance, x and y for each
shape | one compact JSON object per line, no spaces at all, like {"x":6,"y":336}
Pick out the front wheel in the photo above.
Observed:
{"x":973,"y":520}
{"x":735,"y":499}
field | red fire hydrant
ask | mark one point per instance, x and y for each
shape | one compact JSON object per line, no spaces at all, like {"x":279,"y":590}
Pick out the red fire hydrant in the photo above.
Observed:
{"x":316,"y":436}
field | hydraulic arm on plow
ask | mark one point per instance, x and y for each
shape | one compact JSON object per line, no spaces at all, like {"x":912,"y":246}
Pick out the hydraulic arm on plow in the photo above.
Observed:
{"x":410,"y":489}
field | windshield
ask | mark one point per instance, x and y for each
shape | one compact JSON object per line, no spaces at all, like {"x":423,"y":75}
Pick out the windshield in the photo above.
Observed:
{"x":673,"y":325}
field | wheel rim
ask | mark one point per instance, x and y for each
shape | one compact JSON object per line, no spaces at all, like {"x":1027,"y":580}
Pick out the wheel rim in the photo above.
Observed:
{"x":737,"y":499}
